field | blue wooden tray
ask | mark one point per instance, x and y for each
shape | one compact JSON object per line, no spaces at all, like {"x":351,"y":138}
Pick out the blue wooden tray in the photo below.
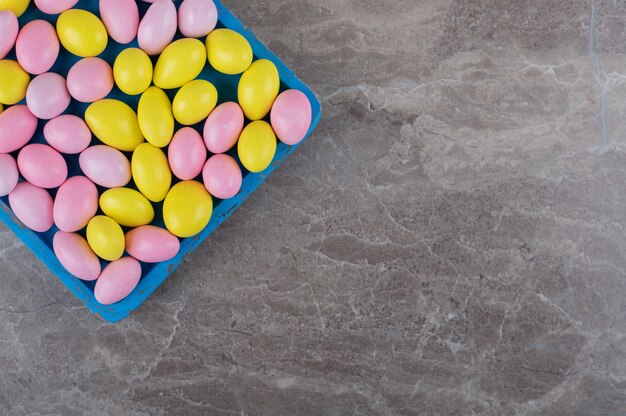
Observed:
{"x":153,"y":274}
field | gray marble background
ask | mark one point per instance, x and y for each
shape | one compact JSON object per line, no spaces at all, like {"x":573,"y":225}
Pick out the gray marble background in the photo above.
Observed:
{"x":449,"y":242}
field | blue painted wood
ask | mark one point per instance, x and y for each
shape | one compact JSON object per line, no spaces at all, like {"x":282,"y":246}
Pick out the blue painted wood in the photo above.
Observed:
{"x":153,"y":275}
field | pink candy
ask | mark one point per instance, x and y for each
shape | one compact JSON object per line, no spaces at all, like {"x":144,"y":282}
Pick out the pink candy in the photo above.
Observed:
{"x":187,"y":154}
{"x":105,"y":166}
{"x":291,"y":116}
{"x":222,"y":176}
{"x":9,"y":174}
{"x":47,"y":96}
{"x":223,"y":127}
{"x":9,"y":28}
{"x":55,"y":6}
{"x":197,"y":18}
{"x":68,"y":134}
{"x":152,"y":244}
{"x":158,"y":27}
{"x":76,"y":256}
{"x":121,"y":18}
{"x":33,"y":206}
{"x":17,"y":127}
{"x":90,"y":79}
{"x":117,"y":280}
{"x":37,"y":47}
{"x":42,"y":166}
{"x":75,"y":204}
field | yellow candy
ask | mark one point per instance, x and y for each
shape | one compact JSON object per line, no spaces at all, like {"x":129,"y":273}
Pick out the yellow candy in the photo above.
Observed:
{"x":257,"y":146}
{"x":155,"y":117}
{"x":258,"y":89}
{"x":115,"y":124}
{"x":151,"y":172}
{"x":180,"y":62}
{"x":127,"y":206}
{"x":13,"y":82}
{"x":18,"y":7}
{"x":82,"y":33}
{"x":106,"y":238}
{"x":132,"y":71}
{"x":194,"y":102}
{"x":187,"y":209}
{"x":228,"y":51}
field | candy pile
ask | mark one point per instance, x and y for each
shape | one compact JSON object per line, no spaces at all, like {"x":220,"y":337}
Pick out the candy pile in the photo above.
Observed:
{"x":165,"y":159}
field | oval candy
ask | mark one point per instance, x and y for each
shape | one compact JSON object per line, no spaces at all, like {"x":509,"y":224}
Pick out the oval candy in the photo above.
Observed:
{"x":105,"y":166}
{"x":158,"y":27}
{"x":75,"y":204}
{"x":258,"y":88}
{"x":151,"y":172}
{"x":127,"y":206}
{"x":121,"y":19}
{"x":155,"y":117}
{"x":90,"y":79}
{"x":197,"y":18}
{"x":55,"y":6}
{"x":181,"y":62}
{"x":17,"y":127}
{"x":186,"y":154}
{"x":9,"y":28}
{"x":47,"y":96}
{"x":223,"y":127}
{"x":76,"y":256}
{"x":42,"y":166}
{"x":117,"y":281}
{"x":257,"y":146}
{"x":106,"y":238}
{"x":194,"y":102}
{"x":132,"y":71}
{"x":18,"y":7}
{"x":187,"y":209}
{"x":67,"y":134}
{"x":32,"y":205}
{"x":82,"y":33}
{"x":9,"y":175}
{"x":291,"y":116}
{"x":37,"y":47}
{"x":222,"y":176}
{"x":115,"y":124}
{"x":13,"y":82}
{"x":152,"y":244}
{"x":228,"y":51}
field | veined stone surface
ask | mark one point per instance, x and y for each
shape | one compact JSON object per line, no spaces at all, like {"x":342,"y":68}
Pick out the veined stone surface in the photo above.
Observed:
{"x":451,"y":240}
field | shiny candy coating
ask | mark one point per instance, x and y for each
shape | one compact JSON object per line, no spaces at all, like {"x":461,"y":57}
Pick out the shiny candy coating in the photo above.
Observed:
{"x":223,"y":127}
{"x":151,"y":172}
{"x":197,"y":18}
{"x":222,"y":176}
{"x":291,"y":116}
{"x":37,"y":47}
{"x":121,"y":19}
{"x":258,"y":88}
{"x":157,"y":27}
{"x":180,"y":63}
{"x":106,"y":238}
{"x":9,"y":175}
{"x":18,"y":7}
{"x":67,"y":134}
{"x":117,"y":281}
{"x":187,"y":209}
{"x":17,"y":127}
{"x":75,"y":204}
{"x":257,"y":146}
{"x":105,"y":166}
{"x":33,"y":206}
{"x":47,"y":96}
{"x":228,"y":51}
{"x":82,"y":33}
{"x":76,"y":256}
{"x":127,"y":206}
{"x":90,"y":79}
{"x":55,"y":6}
{"x":194,"y":102}
{"x":9,"y":28}
{"x":155,"y":117}
{"x":115,"y":124}
{"x":152,"y":244}
{"x":42,"y":166}
{"x":186,"y":154}
{"x":132,"y":71}
{"x":13,"y":82}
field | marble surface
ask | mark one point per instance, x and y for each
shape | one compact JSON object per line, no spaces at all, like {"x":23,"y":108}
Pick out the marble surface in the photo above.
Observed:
{"x":449,"y":242}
